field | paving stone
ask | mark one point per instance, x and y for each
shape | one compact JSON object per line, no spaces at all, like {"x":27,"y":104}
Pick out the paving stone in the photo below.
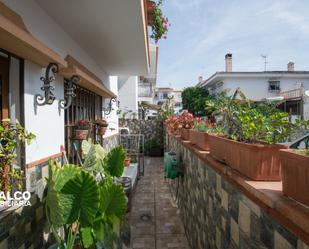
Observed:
{"x":146,"y":242}
{"x":172,"y":241}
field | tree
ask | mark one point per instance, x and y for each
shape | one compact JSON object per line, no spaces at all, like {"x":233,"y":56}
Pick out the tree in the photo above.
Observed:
{"x":193,"y":99}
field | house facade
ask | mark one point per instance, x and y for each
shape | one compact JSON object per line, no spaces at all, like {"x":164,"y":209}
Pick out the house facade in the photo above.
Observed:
{"x":289,"y":85}
{"x":163,"y":94}
{"x":52,"y":39}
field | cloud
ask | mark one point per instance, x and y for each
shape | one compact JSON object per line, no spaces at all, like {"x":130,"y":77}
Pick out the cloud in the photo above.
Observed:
{"x":204,"y":30}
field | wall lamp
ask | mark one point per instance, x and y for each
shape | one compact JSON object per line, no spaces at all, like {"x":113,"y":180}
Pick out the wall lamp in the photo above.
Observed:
{"x":70,"y":86}
{"x":49,"y":97}
{"x":107,"y":110}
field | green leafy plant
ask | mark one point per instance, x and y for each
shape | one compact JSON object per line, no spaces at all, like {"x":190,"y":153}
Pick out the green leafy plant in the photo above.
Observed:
{"x":193,"y":100}
{"x":251,"y":123}
{"x":153,"y":143}
{"x":11,"y":136}
{"x":159,"y":23}
{"x":167,"y":110}
{"x":87,"y":210}
{"x":203,"y":125}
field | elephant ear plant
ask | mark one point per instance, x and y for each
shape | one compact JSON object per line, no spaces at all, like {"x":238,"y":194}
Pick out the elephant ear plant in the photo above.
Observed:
{"x":81,"y":210}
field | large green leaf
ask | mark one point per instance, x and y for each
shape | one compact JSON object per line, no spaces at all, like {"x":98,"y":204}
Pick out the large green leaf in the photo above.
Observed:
{"x":113,"y":200}
{"x":80,"y":199}
{"x":94,"y":156}
{"x":54,"y":210}
{"x":115,"y":161}
{"x":86,"y":234}
{"x":63,"y":175}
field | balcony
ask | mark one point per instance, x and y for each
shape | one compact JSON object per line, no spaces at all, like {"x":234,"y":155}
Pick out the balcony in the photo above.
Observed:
{"x":145,"y":90}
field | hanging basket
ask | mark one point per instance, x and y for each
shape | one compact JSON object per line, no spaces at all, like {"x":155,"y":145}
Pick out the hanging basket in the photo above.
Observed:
{"x":101,"y":130}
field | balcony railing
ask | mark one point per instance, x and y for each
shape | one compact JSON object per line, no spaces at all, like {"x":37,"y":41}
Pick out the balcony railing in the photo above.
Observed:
{"x":293,"y":94}
{"x":145,"y":90}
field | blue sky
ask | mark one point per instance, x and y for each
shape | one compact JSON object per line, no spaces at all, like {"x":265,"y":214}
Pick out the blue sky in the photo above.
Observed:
{"x":203,"y":31}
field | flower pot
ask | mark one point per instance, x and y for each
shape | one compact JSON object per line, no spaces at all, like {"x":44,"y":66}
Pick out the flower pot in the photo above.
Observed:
{"x":81,"y":134}
{"x":184,"y":133}
{"x":217,"y":147}
{"x":101,"y":130}
{"x":151,"y":5}
{"x":200,"y":139}
{"x":127,"y":162}
{"x":295,"y":175}
{"x":258,"y":162}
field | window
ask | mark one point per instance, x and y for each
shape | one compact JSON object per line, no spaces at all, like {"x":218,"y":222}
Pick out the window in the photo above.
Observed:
{"x":165,"y":95}
{"x":274,"y":85}
{"x":86,"y":105}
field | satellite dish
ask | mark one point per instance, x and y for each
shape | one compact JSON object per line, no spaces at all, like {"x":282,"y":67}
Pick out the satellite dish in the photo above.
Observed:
{"x":307,"y":93}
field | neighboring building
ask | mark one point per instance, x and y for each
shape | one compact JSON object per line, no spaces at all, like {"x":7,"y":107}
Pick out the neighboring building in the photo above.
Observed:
{"x":289,"y":84}
{"x":98,"y":41}
{"x":136,"y":92}
{"x":163,"y":94}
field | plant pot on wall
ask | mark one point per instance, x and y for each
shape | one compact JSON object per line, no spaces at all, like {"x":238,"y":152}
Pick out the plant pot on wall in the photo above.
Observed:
{"x":258,"y":162}
{"x":295,"y":175}
{"x":81,"y":134}
{"x":184,"y":133}
{"x":200,"y":139}
{"x":101,"y":130}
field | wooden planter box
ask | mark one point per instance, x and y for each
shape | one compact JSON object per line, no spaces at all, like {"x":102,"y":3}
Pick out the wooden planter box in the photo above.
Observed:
{"x":184,"y":133}
{"x":258,"y":162}
{"x":200,"y":139}
{"x":295,"y":175}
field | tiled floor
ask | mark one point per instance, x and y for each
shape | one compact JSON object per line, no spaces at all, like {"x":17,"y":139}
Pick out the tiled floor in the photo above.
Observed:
{"x":163,"y":229}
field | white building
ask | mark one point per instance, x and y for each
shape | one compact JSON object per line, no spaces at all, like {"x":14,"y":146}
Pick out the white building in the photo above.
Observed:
{"x":138,"y":91}
{"x":98,"y":41}
{"x":289,"y":84}
{"x":163,"y":94}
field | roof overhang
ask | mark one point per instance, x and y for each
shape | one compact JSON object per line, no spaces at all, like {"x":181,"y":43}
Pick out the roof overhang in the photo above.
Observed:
{"x":87,"y":79}
{"x":219,"y":76}
{"x":15,"y":38}
{"x":112,"y":32}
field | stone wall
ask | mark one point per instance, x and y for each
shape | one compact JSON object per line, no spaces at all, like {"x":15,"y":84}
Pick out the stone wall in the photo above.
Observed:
{"x":151,"y":129}
{"x":217,"y":214}
{"x":23,"y":227}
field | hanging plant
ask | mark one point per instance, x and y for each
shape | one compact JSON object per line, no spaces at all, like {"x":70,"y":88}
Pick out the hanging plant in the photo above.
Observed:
{"x":159,"y":23}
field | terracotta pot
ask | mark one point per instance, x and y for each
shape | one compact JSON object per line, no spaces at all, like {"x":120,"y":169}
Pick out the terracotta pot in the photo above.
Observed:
{"x":200,"y":139}
{"x":217,"y":147}
{"x":81,"y":134}
{"x":101,"y":130}
{"x":259,"y":162}
{"x":151,"y":5}
{"x":127,"y":162}
{"x":184,"y":133}
{"x":295,"y":175}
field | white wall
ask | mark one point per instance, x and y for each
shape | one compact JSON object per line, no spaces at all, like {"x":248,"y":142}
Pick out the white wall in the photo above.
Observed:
{"x":112,"y":118}
{"x":128,"y":93}
{"x":47,"y":124}
{"x":257,"y":88}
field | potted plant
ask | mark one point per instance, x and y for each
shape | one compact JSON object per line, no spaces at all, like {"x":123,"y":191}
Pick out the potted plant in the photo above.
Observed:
{"x":159,"y":23}
{"x":172,"y":124}
{"x":81,"y":130}
{"x":186,"y":122}
{"x":127,"y":160}
{"x":83,"y":210}
{"x":249,"y":143}
{"x":199,"y":135}
{"x":154,"y":148}
{"x":11,"y":136}
{"x":101,"y":125}
{"x":295,"y":174}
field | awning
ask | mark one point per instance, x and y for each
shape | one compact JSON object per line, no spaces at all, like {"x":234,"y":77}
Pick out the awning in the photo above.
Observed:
{"x":150,"y":106}
{"x":88,"y":79}
{"x":15,"y":38}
